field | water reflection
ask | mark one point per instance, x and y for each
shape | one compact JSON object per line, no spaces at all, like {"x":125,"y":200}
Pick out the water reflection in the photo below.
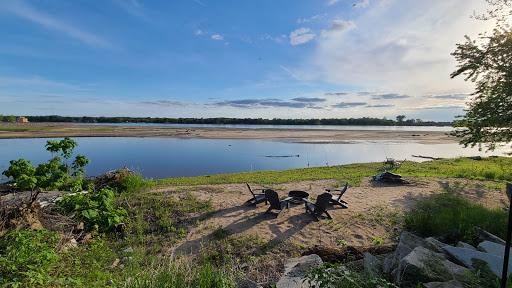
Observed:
{"x":170,"y":157}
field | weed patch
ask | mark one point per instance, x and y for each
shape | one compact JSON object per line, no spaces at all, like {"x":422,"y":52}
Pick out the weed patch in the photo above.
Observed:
{"x":454,"y":218}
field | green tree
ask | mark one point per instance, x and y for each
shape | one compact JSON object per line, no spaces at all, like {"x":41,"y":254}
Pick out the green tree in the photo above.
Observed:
{"x":400,"y":118}
{"x":488,"y":64}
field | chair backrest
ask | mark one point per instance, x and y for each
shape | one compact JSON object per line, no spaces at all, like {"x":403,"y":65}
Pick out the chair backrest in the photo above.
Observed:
{"x":250,"y":190}
{"x":344,"y":190}
{"x":322,"y":202}
{"x":273,"y":199}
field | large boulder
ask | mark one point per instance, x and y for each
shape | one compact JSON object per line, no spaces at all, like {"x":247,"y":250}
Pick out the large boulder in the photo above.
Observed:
{"x":486,"y":236}
{"x":493,"y":248}
{"x":407,"y":243}
{"x":296,"y":269}
{"x":423,"y":266}
{"x":467,"y":257}
{"x":372,"y":265}
{"x":465,"y":245}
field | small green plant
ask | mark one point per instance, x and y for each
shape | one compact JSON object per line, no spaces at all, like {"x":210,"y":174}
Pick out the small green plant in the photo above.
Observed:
{"x":454,"y":218}
{"x":26,"y":257}
{"x":96,"y":208}
{"x":55,"y":174}
{"x":338,"y":276}
{"x":378,"y":241}
{"x":341,"y":243}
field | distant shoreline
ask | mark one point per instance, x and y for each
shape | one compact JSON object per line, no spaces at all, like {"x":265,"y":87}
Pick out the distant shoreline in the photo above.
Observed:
{"x":57,"y":130}
{"x":364,"y":121}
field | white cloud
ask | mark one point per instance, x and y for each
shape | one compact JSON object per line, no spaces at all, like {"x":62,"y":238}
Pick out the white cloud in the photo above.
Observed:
{"x":332,"y":2}
{"x":301,"y":36}
{"x":199,"y":32}
{"x":25,"y":11}
{"x":362,"y":4}
{"x":402,"y":52}
{"x":338,"y":26}
{"x":313,"y":18}
{"x":217,"y":37}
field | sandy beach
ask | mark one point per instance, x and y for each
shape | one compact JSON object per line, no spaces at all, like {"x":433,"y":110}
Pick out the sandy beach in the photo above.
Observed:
{"x":50,"y":130}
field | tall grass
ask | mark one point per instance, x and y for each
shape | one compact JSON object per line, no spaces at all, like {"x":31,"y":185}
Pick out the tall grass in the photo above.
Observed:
{"x":181,"y":275}
{"x":454,"y":218}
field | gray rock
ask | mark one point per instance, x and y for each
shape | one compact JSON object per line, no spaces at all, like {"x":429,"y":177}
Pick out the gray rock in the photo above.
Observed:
{"x":423,"y":266}
{"x":465,"y":245}
{"x":486,"y":236}
{"x":246,"y":283}
{"x":407,"y":243}
{"x":295,"y":270}
{"x":492,"y":248}
{"x":435,"y":245}
{"x":467,"y":256}
{"x":449,"y":284}
{"x":372,"y":265}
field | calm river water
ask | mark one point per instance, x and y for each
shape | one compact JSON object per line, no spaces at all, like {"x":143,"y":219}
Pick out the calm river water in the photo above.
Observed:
{"x":170,"y":157}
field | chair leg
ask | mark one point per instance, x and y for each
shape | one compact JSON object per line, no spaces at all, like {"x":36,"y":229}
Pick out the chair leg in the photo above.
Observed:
{"x":281,"y":211}
{"x":328,"y":215}
{"x":268,"y":210}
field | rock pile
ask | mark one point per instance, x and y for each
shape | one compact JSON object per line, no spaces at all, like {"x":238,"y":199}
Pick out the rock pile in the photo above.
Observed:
{"x":429,"y":261}
{"x":415,"y":260}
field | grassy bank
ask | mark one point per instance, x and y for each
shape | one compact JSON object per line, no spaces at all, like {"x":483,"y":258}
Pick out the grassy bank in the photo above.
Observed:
{"x":493,"y":168}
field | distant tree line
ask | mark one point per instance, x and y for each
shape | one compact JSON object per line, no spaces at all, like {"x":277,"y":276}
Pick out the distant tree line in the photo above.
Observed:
{"x":400,"y":121}
{"x":7,"y":118}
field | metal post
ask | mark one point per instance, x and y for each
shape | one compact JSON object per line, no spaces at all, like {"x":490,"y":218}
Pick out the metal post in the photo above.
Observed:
{"x":504,"y":272}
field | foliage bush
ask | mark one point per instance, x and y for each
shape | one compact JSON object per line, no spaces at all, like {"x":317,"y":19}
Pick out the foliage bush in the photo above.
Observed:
{"x":454,"y":218}
{"x":338,"y":276}
{"x":97,"y":209}
{"x":55,"y":174}
{"x":26,"y":257}
{"x":132,"y":183}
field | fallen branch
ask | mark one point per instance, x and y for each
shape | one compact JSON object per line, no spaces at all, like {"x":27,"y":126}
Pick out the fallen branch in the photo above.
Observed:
{"x":427,"y":157}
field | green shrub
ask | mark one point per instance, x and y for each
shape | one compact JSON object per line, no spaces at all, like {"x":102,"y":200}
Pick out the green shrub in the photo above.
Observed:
{"x":26,"y":257}
{"x":454,"y":218}
{"x":338,"y":276}
{"x":97,"y":209}
{"x":132,"y":183}
{"x":55,"y":174}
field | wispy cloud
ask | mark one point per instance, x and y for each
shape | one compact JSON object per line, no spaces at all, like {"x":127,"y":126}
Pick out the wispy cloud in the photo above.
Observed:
{"x":200,"y":2}
{"x":166,"y":103}
{"x":332,"y":2}
{"x":301,"y":36}
{"x":338,"y":26}
{"x":362,"y":4}
{"x":450,"y":96}
{"x":217,"y":37}
{"x":336,"y":93}
{"x":390,"y":96}
{"x":380,"y":106}
{"x":290,"y":72}
{"x":132,"y":7}
{"x":27,"y":12}
{"x":266,"y":103}
{"x":309,"y":99}
{"x":313,"y":18}
{"x":349,"y":104}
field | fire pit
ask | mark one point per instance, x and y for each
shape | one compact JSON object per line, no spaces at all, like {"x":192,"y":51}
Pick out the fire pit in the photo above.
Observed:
{"x":297,"y":197}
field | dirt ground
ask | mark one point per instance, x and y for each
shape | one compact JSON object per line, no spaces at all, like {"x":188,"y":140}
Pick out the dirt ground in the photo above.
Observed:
{"x":370,"y":218}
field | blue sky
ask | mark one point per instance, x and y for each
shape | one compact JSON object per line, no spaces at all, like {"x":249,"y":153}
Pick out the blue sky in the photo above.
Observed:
{"x":205,"y":58}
